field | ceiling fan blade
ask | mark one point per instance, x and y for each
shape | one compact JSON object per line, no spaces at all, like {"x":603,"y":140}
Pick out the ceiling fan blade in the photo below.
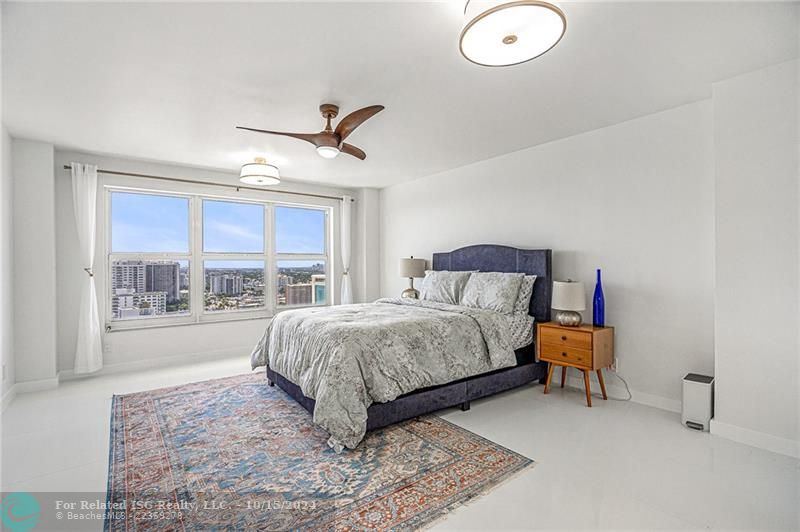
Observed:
{"x":349,"y":149}
{"x":355,"y":119}
{"x":313,"y":138}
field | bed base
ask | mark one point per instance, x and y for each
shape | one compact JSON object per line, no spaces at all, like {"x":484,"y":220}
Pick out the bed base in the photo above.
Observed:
{"x":420,"y":402}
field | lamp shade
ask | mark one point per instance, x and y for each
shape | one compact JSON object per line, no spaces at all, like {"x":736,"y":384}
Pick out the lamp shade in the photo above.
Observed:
{"x":506,"y":32}
{"x":412,"y":267}
{"x":569,"y":295}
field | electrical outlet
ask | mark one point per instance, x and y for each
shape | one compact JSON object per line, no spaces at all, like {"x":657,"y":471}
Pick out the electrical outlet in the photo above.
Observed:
{"x":106,"y":347}
{"x":4,"y":372}
{"x":615,"y":365}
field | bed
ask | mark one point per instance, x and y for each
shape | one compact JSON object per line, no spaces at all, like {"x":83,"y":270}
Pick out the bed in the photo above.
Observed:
{"x":522,"y":369}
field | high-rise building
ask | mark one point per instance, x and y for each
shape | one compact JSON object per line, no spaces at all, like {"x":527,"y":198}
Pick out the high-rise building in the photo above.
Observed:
{"x":128,"y":275}
{"x":225,"y":284}
{"x":284,"y":280}
{"x":147,"y":276}
{"x":299,"y":294}
{"x":318,"y":289}
{"x":184,"y":280}
{"x":164,"y":277}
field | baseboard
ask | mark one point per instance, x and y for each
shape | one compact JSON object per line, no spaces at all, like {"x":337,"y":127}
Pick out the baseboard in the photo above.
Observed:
{"x":762,"y":440}
{"x":36,"y":386}
{"x":159,"y":362}
{"x":8,"y":397}
{"x":619,"y":392}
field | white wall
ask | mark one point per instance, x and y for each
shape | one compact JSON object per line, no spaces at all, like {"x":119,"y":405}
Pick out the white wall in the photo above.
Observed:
{"x":756,"y":326}
{"x":140,"y":347}
{"x":34,"y":248}
{"x":6,"y":266}
{"x":634,"y":199}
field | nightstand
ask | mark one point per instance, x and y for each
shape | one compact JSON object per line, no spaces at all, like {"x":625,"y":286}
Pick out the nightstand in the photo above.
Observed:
{"x":586,"y":348}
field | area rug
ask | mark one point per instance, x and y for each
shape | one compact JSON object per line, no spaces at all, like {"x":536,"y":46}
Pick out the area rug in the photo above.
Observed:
{"x":236,"y":454}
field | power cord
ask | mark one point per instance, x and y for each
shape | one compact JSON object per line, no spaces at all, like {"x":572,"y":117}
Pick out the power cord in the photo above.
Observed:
{"x":627,"y":389}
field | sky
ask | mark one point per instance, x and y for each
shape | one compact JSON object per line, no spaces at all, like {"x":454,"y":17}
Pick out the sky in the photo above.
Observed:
{"x":149,"y":223}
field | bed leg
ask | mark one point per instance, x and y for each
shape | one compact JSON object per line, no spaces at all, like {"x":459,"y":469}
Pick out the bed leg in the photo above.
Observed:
{"x":269,"y":381}
{"x":465,"y":406}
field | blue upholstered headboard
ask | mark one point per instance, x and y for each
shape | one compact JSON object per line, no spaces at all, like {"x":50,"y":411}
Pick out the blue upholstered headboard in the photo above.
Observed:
{"x":493,"y":258}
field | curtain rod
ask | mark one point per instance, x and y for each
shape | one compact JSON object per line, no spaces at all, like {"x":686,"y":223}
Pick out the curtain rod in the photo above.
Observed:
{"x":197,"y":182}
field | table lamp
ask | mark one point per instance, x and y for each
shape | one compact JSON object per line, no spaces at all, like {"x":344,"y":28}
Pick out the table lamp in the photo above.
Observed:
{"x":569,"y":297}
{"x":411,"y":268}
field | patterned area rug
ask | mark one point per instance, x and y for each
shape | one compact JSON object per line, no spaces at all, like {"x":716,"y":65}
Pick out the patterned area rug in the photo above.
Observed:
{"x":234,"y":453}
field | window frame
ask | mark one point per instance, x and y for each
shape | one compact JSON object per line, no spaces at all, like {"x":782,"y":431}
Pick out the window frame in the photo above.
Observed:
{"x":223,"y":255}
{"x":197,"y":257}
{"x":111,"y":256}
{"x":325,"y":257}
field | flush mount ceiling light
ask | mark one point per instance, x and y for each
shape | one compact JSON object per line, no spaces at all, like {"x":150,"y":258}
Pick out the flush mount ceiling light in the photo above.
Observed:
{"x":502,"y":33}
{"x":260,"y":173}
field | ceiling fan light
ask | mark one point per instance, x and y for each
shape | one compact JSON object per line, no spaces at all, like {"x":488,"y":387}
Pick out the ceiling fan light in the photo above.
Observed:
{"x":505,"y":33}
{"x":260,"y":173}
{"x":328,"y":152}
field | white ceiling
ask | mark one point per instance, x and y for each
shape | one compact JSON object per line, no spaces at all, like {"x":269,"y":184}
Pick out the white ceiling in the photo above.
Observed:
{"x":169,"y":82}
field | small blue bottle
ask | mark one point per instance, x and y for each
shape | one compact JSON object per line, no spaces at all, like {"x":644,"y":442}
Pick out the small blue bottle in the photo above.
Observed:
{"x":599,"y":304}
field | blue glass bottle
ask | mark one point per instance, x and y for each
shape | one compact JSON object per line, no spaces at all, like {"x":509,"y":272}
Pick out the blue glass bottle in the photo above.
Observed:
{"x":599,"y":304}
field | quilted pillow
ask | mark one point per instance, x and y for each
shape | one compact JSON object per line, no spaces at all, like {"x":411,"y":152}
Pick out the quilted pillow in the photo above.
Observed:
{"x":492,"y":291}
{"x":523,"y":304}
{"x":443,"y":286}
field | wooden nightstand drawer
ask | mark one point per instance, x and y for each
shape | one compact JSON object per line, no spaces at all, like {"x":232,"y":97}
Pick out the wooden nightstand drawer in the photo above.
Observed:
{"x":562,"y":336}
{"x":565,"y":354}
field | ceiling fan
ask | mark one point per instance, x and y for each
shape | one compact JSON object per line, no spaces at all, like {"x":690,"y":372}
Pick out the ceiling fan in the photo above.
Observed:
{"x":329,"y":141}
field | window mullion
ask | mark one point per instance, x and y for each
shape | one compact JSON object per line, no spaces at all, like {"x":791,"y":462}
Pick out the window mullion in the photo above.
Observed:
{"x":270,"y":264}
{"x":197,"y":276}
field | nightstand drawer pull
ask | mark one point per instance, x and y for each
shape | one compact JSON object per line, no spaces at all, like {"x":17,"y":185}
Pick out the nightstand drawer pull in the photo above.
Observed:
{"x":564,"y":338}
{"x":563,"y":354}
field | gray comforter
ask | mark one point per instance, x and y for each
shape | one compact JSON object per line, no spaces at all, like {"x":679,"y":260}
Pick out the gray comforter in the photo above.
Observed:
{"x":348,"y":357}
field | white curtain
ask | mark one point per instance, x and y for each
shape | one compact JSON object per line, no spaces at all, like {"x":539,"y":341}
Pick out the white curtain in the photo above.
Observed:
{"x":347,"y":288}
{"x":89,"y":349}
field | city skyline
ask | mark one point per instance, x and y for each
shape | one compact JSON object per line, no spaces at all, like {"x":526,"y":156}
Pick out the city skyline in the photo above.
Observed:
{"x":153,"y":223}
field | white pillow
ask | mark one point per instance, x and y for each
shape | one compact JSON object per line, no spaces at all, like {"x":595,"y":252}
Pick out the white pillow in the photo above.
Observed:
{"x":443,"y":286}
{"x":492,"y":291}
{"x":523,"y":304}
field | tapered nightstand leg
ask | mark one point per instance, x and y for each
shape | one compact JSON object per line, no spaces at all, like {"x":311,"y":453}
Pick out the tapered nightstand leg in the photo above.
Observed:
{"x":549,"y":378}
{"x":588,"y":388}
{"x":602,"y":384}
{"x":563,"y":375}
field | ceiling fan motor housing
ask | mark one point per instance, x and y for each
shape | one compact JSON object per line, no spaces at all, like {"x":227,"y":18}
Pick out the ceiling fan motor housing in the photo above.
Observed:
{"x":329,"y":110}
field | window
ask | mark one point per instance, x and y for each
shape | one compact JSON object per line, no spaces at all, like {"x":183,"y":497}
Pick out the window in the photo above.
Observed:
{"x":230,"y":227}
{"x":188,"y":258}
{"x":233,"y":231}
{"x":149,"y":259}
{"x":301,"y":259}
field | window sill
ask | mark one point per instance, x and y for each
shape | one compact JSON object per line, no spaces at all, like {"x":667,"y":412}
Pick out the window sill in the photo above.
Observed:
{"x":157,"y":323}
{"x":121,"y":326}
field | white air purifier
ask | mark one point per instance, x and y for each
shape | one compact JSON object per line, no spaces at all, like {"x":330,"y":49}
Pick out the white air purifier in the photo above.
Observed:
{"x":698,"y":401}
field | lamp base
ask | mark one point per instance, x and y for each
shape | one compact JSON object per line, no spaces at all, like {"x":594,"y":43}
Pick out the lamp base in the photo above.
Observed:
{"x":568,"y":318}
{"x":411,"y":293}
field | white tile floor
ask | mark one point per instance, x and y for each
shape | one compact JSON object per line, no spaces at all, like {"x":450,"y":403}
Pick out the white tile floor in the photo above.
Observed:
{"x":615,"y":466}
